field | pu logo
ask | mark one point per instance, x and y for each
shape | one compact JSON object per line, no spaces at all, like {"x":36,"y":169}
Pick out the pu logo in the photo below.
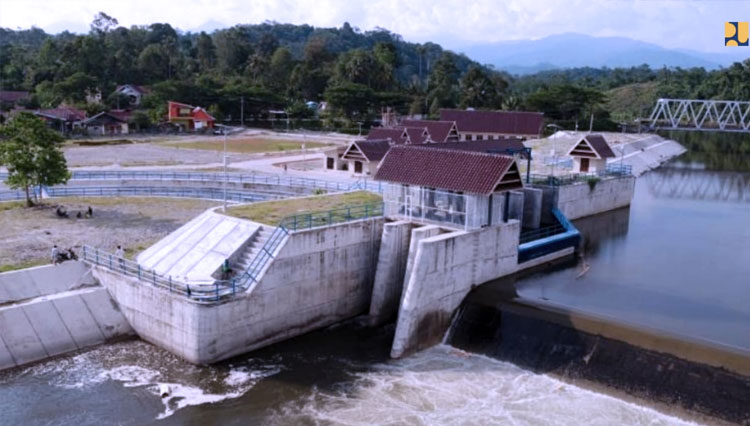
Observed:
{"x":735,"y":33}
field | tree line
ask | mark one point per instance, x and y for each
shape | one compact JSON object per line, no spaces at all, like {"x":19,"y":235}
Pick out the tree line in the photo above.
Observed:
{"x":253,"y":68}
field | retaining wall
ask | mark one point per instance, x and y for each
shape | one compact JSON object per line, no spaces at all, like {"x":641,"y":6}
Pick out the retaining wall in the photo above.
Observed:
{"x":56,"y":309}
{"x":318,"y":277}
{"x":580,"y":200}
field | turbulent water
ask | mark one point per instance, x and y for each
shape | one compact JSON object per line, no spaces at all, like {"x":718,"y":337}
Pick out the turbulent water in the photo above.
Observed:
{"x":343,"y":375}
{"x":120,"y":385}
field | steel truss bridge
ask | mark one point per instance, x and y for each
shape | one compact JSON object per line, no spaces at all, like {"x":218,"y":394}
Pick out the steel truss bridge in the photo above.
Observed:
{"x":696,"y":184}
{"x":701,"y":115}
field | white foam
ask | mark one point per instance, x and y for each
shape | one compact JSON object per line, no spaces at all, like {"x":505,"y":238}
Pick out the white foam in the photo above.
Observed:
{"x":442,"y":386}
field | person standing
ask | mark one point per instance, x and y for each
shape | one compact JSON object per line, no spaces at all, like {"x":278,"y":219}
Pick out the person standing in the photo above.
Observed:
{"x":55,"y":253}
{"x":120,"y":255}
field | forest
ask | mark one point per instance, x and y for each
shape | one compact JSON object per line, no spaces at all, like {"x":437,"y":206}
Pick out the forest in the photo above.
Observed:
{"x":255,"y":68}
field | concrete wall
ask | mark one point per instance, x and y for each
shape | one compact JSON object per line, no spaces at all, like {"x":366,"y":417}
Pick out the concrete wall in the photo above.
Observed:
{"x":532,"y":208}
{"x":55,"y":309}
{"x":318,"y":277}
{"x":579,"y":200}
{"x":446,"y":267}
{"x":389,"y":274}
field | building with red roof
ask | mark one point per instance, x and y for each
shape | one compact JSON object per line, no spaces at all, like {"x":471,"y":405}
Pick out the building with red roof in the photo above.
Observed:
{"x":479,"y":125}
{"x":590,"y":154}
{"x":189,"y":117}
{"x":455,"y":187}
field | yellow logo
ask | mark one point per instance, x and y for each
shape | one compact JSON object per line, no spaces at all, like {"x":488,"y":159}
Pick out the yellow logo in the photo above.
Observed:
{"x":735,"y":33}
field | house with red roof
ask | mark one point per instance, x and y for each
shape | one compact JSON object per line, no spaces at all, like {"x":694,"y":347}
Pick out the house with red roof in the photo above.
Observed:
{"x":590,"y":154}
{"x":189,"y":117}
{"x":479,"y":125}
{"x":364,"y":156}
{"x":457,"y":188}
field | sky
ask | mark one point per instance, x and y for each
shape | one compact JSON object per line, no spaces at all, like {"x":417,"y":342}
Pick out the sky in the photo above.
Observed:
{"x":696,"y":25}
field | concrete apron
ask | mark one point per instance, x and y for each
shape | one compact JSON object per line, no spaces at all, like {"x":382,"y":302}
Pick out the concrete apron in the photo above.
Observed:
{"x":52,"y":310}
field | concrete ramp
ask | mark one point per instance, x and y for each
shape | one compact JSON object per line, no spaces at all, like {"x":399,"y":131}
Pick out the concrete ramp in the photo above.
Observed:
{"x":195,"y":251}
{"x":43,"y":280}
{"x":51,"y":310}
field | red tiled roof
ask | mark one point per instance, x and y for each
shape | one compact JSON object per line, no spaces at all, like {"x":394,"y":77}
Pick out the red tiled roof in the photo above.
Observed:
{"x":373,"y":150}
{"x":490,"y":145}
{"x":439,"y":130}
{"x":417,"y":135}
{"x":505,"y":122}
{"x":12,"y":96}
{"x":396,"y":135}
{"x":600,"y":145}
{"x":446,"y":169}
{"x":121,"y":114}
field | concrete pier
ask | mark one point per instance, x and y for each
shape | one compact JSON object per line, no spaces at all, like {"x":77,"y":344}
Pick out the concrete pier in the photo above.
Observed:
{"x":389,"y":274}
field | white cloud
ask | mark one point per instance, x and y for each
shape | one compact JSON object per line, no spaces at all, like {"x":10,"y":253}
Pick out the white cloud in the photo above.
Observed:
{"x":671,"y":23}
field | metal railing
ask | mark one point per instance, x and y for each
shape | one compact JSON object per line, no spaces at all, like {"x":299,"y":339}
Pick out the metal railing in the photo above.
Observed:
{"x":612,"y":171}
{"x":211,"y":292}
{"x":329,"y":217}
{"x":250,"y":178}
{"x":202,"y":292}
{"x":156,"y":191}
{"x":550,"y":239}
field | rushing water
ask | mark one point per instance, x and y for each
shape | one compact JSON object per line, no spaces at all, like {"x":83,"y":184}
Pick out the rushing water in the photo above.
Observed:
{"x":676,"y":260}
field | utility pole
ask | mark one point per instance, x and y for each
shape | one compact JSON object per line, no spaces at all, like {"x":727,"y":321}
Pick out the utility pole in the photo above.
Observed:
{"x":242,"y":111}
{"x":224,"y":207}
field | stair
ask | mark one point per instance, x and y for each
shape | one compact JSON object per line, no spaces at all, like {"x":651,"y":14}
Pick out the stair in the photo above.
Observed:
{"x":252,"y":250}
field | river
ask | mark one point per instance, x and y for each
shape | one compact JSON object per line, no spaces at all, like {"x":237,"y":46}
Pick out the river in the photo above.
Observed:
{"x":677,"y":260}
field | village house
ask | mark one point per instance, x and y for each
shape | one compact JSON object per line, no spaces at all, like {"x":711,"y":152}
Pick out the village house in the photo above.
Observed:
{"x":107,"y":123}
{"x":134,"y":92}
{"x":63,"y":118}
{"x":482,"y":125}
{"x":189,"y":117}
{"x":401,"y":134}
{"x":590,"y":154}
{"x":10,"y":98}
{"x":364,"y":156}
{"x":461,"y":189}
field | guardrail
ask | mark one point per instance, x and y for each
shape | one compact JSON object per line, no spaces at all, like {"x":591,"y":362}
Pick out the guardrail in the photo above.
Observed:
{"x":155,"y":191}
{"x":612,"y":170}
{"x":211,"y":292}
{"x":329,"y":217}
{"x":549,"y":240}
{"x":218,"y":177}
{"x":207,"y":292}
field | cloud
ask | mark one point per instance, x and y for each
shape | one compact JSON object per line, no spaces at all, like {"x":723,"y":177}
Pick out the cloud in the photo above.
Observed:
{"x":686,"y":24}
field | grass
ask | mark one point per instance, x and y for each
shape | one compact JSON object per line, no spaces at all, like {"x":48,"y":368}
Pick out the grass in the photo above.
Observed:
{"x":23,"y":265}
{"x":272,"y":212}
{"x":248,"y":145}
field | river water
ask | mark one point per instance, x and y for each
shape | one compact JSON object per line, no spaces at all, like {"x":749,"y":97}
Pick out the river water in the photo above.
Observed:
{"x":676,"y":260}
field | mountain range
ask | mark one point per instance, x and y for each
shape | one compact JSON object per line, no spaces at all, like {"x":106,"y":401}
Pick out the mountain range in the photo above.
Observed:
{"x":572,"y":50}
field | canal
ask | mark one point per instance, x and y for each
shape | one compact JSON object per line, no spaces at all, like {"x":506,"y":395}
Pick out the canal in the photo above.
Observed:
{"x":677,"y":260}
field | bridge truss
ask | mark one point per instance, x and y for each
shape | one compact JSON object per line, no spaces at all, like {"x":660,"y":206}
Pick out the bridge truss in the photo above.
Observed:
{"x":701,"y":115}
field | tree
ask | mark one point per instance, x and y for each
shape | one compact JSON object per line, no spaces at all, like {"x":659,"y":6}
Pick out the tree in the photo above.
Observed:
{"x":29,"y":149}
{"x":478,"y":90}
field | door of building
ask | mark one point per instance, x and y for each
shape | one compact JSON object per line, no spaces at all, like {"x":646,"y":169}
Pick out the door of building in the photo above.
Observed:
{"x":357,"y":167}
{"x":584,"y":165}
